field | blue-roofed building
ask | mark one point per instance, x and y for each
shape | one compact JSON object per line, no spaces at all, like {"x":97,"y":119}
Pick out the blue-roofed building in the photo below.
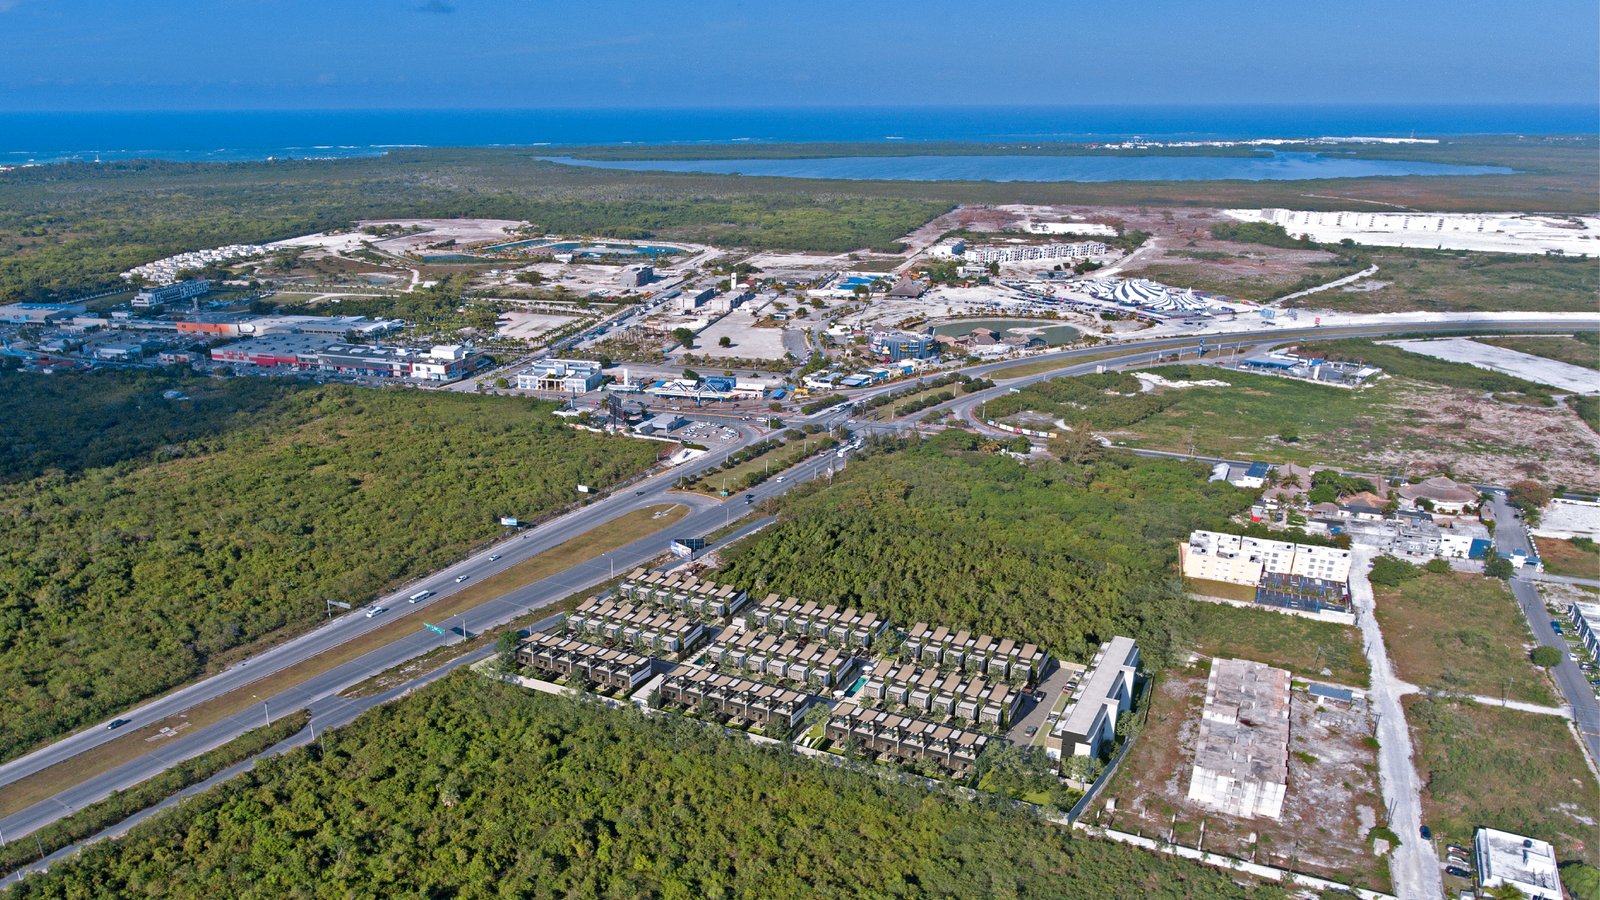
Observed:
{"x":1328,"y":692}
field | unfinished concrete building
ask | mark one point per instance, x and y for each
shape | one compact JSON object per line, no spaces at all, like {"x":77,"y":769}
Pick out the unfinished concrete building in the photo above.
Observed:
{"x":1241,"y":760}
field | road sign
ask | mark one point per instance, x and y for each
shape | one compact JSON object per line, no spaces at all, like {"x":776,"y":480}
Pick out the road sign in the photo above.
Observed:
{"x":338,"y":604}
{"x":434,"y":628}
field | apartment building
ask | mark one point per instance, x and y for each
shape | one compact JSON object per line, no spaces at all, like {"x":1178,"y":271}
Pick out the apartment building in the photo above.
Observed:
{"x":994,"y":657}
{"x":841,"y":627}
{"x":1237,"y":559}
{"x":942,"y":695}
{"x":902,"y":738}
{"x":563,"y":656}
{"x":568,"y":376}
{"x":741,"y":698}
{"x":1586,"y":616}
{"x":688,"y":595}
{"x":1024,"y":252}
{"x":641,"y":628}
{"x":1096,"y":699}
{"x":792,"y":659}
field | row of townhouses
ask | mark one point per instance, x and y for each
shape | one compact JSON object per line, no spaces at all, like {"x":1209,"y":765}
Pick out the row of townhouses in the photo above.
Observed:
{"x":703,"y":600}
{"x":997,"y":658}
{"x":638,"y":627}
{"x":830,"y":624}
{"x":792,"y":659}
{"x":902,"y":738}
{"x":944,"y":694}
{"x":737,"y":697}
{"x":1020,"y":252}
{"x":561,"y":656}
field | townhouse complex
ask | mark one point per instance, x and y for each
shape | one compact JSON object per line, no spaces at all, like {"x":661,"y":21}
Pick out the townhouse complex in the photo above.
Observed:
{"x":740,"y":698}
{"x":997,"y":658}
{"x":565,"y":657}
{"x":841,"y":627}
{"x":641,"y":628}
{"x":943,"y":695}
{"x":905,"y":739}
{"x":787,"y":658}
{"x":687,"y":594}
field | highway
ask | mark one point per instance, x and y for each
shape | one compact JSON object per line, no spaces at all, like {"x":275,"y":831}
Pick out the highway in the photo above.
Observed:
{"x":707,"y":514}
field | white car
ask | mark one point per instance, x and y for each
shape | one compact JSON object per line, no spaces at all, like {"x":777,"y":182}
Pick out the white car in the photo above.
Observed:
{"x":493,"y":557}
{"x":461,"y":578}
{"x":376,"y":611}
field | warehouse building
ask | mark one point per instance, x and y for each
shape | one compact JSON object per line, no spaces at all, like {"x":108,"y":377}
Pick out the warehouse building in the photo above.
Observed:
{"x":275,"y":350}
{"x":38,"y":313}
{"x":563,"y":657}
{"x":943,"y":695}
{"x":901,"y":738}
{"x":773,"y":708}
{"x":997,"y":658}
{"x":1096,"y":699}
{"x":1241,"y":759}
{"x":830,"y":624}
{"x":791,"y":659}
{"x":688,"y":594}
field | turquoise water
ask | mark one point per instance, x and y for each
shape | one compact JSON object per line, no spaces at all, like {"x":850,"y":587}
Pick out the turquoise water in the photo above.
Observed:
{"x":856,"y":687}
{"x":223,"y":134}
{"x":1280,"y":166}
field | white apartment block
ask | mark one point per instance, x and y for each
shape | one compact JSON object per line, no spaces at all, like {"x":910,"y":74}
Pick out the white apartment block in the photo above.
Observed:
{"x":1236,"y":559}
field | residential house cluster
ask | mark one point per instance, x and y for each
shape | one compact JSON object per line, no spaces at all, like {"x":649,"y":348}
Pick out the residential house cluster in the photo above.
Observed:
{"x":1001,"y":658}
{"x":687,"y":594}
{"x":1026,"y":252}
{"x":563,"y":657}
{"x":788,"y":658}
{"x":830,"y":624}
{"x":941,"y":695}
{"x":1097,"y":696}
{"x":739,"y":698}
{"x":906,"y":739}
{"x":640,"y":627}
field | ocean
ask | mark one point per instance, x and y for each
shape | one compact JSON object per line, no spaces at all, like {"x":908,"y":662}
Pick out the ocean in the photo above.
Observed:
{"x":223,"y":135}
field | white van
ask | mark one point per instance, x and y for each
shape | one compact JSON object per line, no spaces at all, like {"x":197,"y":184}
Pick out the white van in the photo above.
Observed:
{"x":420,"y":596}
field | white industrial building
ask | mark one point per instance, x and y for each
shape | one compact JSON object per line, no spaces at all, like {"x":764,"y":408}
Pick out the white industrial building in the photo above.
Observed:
{"x":1488,"y":232}
{"x":1236,"y":559}
{"x":572,"y":376}
{"x":1241,"y":758}
{"x":1511,"y":860}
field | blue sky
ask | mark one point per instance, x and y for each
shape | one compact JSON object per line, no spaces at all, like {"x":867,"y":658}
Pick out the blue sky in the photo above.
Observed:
{"x":299,"y":54}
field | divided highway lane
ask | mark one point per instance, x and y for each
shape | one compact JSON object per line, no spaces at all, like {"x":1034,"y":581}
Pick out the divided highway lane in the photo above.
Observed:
{"x":708,"y":515}
{"x":347,"y":627}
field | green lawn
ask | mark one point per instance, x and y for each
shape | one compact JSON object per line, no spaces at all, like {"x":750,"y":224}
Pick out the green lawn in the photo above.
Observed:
{"x":1516,"y":771}
{"x":1461,"y":633}
{"x":1303,"y":646}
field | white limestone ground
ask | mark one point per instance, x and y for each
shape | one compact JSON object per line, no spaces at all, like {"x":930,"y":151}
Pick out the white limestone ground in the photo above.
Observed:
{"x":1489,"y":232}
{"x":1559,"y":375}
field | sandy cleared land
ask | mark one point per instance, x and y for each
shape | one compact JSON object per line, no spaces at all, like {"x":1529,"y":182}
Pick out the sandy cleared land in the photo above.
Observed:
{"x":749,"y":342}
{"x":528,"y":326}
{"x":1484,"y":232}
{"x":1559,"y":375}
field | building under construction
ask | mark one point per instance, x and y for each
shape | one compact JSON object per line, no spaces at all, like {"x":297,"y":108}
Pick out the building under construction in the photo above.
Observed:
{"x":1241,"y":760}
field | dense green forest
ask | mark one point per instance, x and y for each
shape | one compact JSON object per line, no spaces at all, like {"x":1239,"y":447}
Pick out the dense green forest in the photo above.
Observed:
{"x":477,"y":789}
{"x":122,"y":581}
{"x":68,"y":227}
{"x":79,"y":422}
{"x":1064,"y":554}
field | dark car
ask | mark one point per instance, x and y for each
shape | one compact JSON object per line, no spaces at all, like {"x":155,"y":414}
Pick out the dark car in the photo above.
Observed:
{"x":115,"y":724}
{"x":1457,"y":871}
{"x":1427,"y":833}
